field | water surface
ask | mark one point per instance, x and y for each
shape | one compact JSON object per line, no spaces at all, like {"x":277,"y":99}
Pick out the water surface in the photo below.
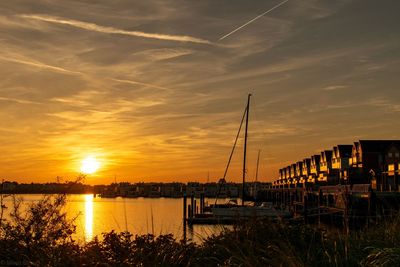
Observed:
{"x":95,"y":216}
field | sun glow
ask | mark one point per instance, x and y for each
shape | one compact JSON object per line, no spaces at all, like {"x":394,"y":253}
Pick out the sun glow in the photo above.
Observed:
{"x":90,"y":165}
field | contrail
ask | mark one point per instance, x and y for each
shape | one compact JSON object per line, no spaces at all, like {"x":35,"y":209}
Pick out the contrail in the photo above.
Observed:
{"x":250,"y":21}
{"x":140,"y":83}
{"x":111,"y":30}
{"x":39,"y":65}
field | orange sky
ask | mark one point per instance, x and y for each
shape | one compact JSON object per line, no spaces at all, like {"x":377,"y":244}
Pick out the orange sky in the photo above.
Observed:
{"x":148,"y":88}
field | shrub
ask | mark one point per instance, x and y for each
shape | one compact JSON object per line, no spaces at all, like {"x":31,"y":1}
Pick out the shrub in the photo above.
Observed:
{"x":41,"y":235}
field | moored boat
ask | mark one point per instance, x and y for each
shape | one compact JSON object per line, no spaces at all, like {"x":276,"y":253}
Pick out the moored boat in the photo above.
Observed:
{"x":264,"y":210}
{"x":232,"y":210}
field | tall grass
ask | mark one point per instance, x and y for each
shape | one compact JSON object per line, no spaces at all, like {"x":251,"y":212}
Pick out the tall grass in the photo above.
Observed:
{"x":42,"y":236}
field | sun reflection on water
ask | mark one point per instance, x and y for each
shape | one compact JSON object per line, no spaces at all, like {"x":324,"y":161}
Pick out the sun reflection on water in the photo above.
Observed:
{"x":88,"y":217}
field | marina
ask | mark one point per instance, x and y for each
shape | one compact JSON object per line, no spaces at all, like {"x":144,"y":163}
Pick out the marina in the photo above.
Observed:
{"x":232,"y":212}
{"x":349,"y":183}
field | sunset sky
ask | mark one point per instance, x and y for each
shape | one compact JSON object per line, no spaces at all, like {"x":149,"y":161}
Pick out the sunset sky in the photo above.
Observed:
{"x":149,"y":90}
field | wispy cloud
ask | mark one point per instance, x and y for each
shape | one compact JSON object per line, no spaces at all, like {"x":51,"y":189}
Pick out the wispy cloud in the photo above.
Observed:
{"x":334,"y":87}
{"x":39,"y":65}
{"x":385,"y":103}
{"x":141,"y":83}
{"x":164,"y":53}
{"x":19,"y":101}
{"x":105,"y":29}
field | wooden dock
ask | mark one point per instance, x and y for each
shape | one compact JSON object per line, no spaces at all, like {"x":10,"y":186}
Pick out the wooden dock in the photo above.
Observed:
{"x":341,"y":203}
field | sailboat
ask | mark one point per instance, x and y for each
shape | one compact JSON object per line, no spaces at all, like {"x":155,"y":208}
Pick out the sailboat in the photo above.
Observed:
{"x":232,"y":210}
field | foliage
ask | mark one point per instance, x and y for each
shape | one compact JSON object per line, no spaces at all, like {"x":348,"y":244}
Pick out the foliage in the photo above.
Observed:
{"x":41,"y":235}
{"x":120,"y":249}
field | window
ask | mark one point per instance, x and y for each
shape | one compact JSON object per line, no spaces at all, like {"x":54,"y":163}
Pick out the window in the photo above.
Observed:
{"x":390,"y":154}
{"x":397,"y":154}
{"x":391,"y":167}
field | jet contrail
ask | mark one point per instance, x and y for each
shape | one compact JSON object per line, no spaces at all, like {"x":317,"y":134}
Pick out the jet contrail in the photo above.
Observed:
{"x":111,"y":30}
{"x":38,"y":65}
{"x":250,"y":21}
{"x":140,"y":83}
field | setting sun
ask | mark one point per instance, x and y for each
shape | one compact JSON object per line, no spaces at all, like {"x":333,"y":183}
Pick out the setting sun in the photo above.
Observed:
{"x":90,"y":165}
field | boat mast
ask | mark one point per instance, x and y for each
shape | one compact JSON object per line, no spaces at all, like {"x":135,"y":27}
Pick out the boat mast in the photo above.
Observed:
{"x":255,"y":184}
{"x":230,"y":156}
{"x":258,"y":161}
{"x":245,"y":148}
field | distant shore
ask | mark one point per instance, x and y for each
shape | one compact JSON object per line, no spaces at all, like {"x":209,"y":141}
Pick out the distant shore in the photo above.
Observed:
{"x":135,"y":190}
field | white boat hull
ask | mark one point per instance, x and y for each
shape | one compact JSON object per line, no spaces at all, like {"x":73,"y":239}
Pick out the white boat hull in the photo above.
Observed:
{"x":248,"y":211}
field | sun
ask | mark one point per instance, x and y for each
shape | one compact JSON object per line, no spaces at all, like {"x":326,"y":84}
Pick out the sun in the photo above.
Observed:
{"x":90,"y":165}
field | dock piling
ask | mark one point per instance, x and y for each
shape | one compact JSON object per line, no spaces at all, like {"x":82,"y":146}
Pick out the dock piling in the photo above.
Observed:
{"x":184,"y":216}
{"x":202,"y":203}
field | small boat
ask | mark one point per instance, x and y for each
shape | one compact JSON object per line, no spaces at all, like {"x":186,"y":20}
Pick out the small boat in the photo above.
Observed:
{"x":232,"y":210}
{"x":264,"y":210}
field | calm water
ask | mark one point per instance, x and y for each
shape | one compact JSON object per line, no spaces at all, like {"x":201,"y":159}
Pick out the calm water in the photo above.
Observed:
{"x":137,"y":215}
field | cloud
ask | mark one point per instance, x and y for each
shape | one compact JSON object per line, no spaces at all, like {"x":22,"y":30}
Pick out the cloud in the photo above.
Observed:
{"x":112,"y":30}
{"x":386,"y":104}
{"x":19,"y":101}
{"x":334,"y":87}
{"x":39,"y":65}
{"x":164,"y":53}
{"x":140,"y":83}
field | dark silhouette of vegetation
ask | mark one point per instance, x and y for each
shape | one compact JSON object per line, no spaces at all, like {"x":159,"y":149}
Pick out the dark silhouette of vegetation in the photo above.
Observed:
{"x":41,"y":235}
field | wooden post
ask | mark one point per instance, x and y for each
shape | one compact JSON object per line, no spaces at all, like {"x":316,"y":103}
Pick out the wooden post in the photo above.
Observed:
{"x":369,"y":206}
{"x":202,"y":203}
{"x":305,"y":208}
{"x":190,"y":217}
{"x":192,"y":205}
{"x":319,"y":208}
{"x":184,"y":207}
{"x":184,"y":216}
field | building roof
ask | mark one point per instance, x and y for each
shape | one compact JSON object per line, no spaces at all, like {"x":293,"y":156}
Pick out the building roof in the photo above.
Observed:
{"x":344,"y":151}
{"x":326,"y":155}
{"x":377,"y":145}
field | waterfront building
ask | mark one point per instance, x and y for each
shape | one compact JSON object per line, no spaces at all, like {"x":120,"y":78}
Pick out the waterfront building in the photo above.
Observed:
{"x":299,"y":170}
{"x":392,"y":166}
{"x":194,"y":188}
{"x":8,"y":186}
{"x":341,"y":162}
{"x":371,"y":160}
{"x":325,"y":176}
{"x":172,"y":190}
{"x":293,"y":176}
{"x":305,"y":172}
{"x":128,"y":190}
{"x":286,"y":182}
{"x":210,"y":189}
{"x":280,"y":182}
{"x":233,"y":190}
{"x":314,"y":169}
{"x":374,"y":163}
